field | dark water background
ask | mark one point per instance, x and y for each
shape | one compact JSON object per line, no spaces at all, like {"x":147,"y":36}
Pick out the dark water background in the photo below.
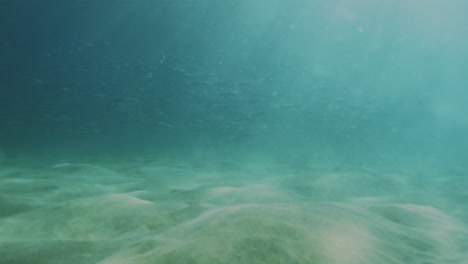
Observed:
{"x":354,"y":81}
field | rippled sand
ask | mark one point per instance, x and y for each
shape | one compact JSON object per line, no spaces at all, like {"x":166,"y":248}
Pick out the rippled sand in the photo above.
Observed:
{"x":170,"y":212}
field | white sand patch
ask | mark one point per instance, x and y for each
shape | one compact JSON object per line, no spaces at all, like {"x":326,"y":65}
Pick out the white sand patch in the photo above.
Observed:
{"x":347,"y":243}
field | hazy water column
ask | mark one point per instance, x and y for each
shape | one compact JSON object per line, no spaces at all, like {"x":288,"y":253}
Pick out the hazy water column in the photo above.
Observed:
{"x":358,"y":73}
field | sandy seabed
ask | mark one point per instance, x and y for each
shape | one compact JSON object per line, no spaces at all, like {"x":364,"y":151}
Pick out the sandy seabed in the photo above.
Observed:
{"x":173,"y":212}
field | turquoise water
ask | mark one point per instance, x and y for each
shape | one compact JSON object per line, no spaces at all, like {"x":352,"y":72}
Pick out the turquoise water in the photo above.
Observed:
{"x":234,"y":132}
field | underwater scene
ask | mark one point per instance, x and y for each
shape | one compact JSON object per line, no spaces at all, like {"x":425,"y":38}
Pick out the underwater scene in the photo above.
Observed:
{"x":234,"y":131}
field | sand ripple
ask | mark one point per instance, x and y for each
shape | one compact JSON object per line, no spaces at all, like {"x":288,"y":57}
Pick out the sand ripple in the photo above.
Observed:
{"x":90,"y":214}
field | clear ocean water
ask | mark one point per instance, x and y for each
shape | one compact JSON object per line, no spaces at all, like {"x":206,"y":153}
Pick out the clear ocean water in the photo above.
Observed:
{"x":235,"y":131}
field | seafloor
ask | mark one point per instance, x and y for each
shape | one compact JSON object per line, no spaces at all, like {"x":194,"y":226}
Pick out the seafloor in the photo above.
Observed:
{"x":169,"y":211}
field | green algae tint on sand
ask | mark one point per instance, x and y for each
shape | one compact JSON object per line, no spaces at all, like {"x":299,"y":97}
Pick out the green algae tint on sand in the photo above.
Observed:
{"x":238,"y":131}
{"x":155,"y":213}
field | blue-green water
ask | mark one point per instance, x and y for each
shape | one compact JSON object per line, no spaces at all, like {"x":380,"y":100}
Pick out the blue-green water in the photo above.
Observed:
{"x":233,"y":131}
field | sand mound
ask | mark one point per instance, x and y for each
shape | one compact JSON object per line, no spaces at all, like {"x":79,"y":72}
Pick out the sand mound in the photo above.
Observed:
{"x":105,"y":217}
{"x":301,"y":233}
